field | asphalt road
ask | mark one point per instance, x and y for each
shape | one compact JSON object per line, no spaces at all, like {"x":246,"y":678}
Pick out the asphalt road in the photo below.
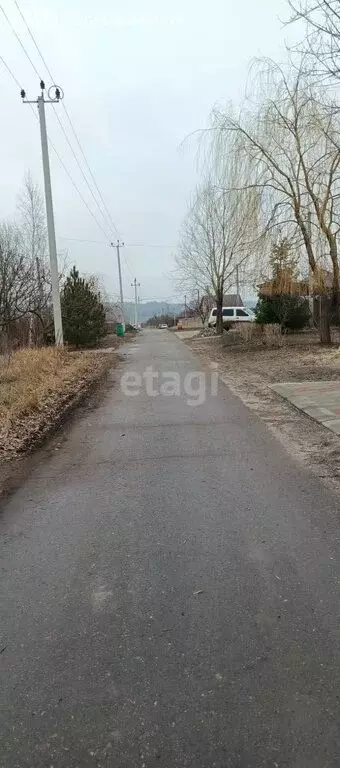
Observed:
{"x":170,"y":590}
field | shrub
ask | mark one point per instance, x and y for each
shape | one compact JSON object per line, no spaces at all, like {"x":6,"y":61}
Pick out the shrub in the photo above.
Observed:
{"x":290,"y":312}
{"x":249,"y":333}
{"x":82,"y":312}
{"x":272,"y":335}
{"x":252,"y":335}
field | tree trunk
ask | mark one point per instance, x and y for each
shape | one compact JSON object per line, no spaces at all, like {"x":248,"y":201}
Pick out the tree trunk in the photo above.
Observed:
{"x":336,"y":280}
{"x":219,"y":316}
{"x":324,"y":324}
{"x":31,"y":331}
{"x":307,"y":241}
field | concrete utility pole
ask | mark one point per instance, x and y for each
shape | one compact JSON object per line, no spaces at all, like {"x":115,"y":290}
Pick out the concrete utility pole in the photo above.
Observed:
{"x":41,"y":101}
{"x":185,"y":306}
{"x":136,"y":285}
{"x":118,"y":246}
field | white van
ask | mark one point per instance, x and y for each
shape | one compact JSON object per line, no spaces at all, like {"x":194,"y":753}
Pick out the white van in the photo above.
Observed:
{"x":231,"y":315}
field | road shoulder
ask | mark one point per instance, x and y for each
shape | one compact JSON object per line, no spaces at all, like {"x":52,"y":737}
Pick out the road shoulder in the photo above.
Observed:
{"x":251,"y":375}
{"x":41,"y":432}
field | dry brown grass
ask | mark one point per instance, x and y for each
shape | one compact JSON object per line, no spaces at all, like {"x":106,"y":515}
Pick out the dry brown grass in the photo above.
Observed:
{"x":301,"y":358}
{"x":253,"y":335}
{"x":29,"y":375}
{"x":36,"y":385}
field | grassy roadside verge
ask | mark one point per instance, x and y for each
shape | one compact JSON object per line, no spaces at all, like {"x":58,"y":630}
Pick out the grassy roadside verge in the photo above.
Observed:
{"x":38,"y":387}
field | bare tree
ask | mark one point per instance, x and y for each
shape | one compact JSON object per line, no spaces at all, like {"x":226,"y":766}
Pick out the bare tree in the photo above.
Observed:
{"x":322,"y":41}
{"x":290,"y":140}
{"x":17,"y":289}
{"x":201,"y":303}
{"x":216,"y":236}
{"x":33,"y":233}
{"x":96,"y":282}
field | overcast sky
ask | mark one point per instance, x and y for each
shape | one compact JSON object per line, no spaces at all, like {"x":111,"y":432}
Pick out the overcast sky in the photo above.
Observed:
{"x":136,"y":83}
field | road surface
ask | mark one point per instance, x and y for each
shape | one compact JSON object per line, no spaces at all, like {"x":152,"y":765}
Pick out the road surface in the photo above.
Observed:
{"x":170,"y":589}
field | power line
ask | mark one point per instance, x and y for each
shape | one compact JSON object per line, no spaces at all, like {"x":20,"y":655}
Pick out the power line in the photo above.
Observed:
{"x":127,"y":245}
{"x":90,"y":171}
{"x":165,"y":299}
{"x":127,"y":264}
{"x":20,"y":42}
{"x":16,"y":82}
{"x":58,"y":156}
{"x":79,"y":166}
{"x":72,"y":180}
{"x":76,"y":188}
{"x":69,"y":119}
{"x":147,"y":245}
{"x":32,"y":38}
{"x":81,"y":240}
{"x":10,"y":72}
{"x":39,"y":76}
{"x":133,"y":245}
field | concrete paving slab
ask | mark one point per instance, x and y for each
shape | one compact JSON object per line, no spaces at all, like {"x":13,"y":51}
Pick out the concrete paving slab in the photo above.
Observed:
{"x":334,"y":425}
{"x":319,"y":399}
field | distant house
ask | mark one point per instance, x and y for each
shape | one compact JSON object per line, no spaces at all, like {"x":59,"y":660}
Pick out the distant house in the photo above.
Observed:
{"x":229,"y":300}
{"x":232,"y":300}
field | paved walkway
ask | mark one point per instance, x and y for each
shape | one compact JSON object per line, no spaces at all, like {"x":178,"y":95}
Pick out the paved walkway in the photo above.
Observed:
{"x":319,"y":399}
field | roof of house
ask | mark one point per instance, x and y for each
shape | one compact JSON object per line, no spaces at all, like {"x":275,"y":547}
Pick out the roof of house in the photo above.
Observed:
{"x":232,"y":300}
{"x":229,"y":300}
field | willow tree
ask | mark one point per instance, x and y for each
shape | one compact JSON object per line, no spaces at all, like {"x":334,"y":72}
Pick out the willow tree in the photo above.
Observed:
{"x":290,"y":137}
{"x":321,"y":20}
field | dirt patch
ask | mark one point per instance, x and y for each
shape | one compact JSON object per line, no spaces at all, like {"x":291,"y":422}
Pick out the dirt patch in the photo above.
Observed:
{"x":249,"y":374}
